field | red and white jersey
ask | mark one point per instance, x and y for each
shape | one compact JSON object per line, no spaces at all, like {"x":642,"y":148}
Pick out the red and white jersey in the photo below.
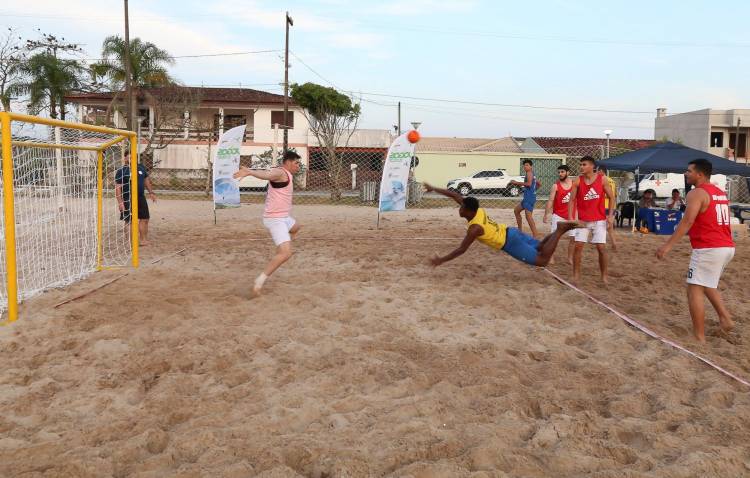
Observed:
{"x":590,"y":199}
{"x":562,"y":199}
{"x":712,"y":227}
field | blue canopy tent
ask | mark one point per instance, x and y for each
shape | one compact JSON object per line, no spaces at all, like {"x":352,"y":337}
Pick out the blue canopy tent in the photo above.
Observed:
{"x":672,"y":158}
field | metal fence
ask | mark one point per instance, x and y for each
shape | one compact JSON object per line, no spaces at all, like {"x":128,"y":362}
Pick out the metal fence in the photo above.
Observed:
{"x":352,"y":176}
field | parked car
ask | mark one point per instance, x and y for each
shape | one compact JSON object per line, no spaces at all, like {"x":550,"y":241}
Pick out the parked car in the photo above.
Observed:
{"x":490,"y":181}
{"x":663,"y":183}
{"x":251,"y":183}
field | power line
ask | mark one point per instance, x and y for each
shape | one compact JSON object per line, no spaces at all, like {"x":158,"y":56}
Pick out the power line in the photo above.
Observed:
{"x":566,"y":123}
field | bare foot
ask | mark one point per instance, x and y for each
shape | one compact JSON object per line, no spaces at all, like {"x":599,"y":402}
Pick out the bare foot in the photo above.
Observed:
{"x":726,"y":324}
{"x":700,"y":338}
{"x":256,"y":291}
{"x":605,"y":280}
{"x":570,"y":261}
{"x":143,"y":243}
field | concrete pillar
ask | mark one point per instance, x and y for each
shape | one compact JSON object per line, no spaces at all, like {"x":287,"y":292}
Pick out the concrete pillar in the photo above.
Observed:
{"x":661,"y":112}
{"x":221,"y":120}
{"x":186,"y":129}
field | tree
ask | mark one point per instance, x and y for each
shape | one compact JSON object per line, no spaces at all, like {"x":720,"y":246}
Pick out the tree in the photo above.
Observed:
{"x":148,"y":66}
{"x":333,"y":118}
{"x":12,"y":56}
{"x":47,"y":80}
{"x":169,"y":105}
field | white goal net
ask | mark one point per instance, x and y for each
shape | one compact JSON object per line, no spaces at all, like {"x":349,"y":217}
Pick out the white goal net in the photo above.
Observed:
{"x":67,"y":219}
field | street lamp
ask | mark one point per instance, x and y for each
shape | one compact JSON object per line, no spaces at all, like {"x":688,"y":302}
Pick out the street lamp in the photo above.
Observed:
{"x":607,"y":132}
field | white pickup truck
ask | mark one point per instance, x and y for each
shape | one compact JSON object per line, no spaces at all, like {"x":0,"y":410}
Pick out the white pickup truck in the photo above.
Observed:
{"x":491,"y":181}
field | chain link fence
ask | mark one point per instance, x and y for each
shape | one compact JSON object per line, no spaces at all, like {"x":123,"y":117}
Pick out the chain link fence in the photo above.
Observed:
{"x":486,"y":169}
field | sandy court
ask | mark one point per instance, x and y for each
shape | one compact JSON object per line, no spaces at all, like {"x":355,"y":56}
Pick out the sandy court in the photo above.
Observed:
{"x":360,"y":360}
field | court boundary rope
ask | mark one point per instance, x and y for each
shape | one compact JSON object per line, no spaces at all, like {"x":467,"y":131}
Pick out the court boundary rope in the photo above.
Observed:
{"x":649,"y":332}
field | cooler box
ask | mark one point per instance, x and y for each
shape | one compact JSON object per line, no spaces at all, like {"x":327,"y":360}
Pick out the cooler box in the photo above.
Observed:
{"x":665,"y":222}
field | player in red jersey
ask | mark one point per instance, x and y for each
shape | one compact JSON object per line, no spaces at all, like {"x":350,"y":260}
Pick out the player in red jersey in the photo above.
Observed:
{"x":559,"y":197}
{"x":707,"y":222}
{"x":589,"y":191}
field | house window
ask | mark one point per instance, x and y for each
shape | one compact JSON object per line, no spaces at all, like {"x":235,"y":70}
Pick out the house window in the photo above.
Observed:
{"x":461,"y":165}
{"x":717,"y":140}
{"x":97,"y":115}
{"x":277,"y":117}
{"x":143,"y":113}
{"x":230,"y":121}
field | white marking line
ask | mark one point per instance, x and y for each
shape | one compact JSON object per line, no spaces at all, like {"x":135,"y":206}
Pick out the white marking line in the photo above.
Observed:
{"x":648,"y":331}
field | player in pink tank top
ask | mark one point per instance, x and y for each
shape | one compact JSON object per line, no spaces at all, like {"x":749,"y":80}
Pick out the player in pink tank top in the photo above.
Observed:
{"x":277,"y":211}
{"x":707,"y":222}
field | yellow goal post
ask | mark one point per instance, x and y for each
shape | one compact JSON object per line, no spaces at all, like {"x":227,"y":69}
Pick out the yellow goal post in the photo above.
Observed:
{"x":63,"y":190}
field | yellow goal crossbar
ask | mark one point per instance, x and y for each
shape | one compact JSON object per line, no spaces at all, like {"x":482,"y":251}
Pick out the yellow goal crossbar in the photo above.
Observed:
{"x":6,"y":153}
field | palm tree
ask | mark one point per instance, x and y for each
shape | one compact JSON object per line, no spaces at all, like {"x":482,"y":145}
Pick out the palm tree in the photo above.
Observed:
{"x":148,"y":63}
{"x":148,"y":66}
{"x":48,"y":80}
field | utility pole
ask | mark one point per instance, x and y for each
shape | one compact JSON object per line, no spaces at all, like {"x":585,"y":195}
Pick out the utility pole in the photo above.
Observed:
{"x":128,"y":82}
{"x":399,"y":118}
{"x":288,"y":23}
{"x":737,"y":141}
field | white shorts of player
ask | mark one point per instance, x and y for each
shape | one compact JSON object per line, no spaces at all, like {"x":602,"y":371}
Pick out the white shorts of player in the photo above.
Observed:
{"x":707,"y":265}
{"x":598,"y":230}
{"x":279,"y":228}
{"x":557,"y":219}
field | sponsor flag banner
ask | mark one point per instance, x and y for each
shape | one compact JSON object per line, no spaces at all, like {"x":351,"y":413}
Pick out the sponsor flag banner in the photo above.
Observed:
{"x":394,"y":184}
{"x":226,"y":163}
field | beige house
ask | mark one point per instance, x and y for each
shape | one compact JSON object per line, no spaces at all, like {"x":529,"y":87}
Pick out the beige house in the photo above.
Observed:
{"x":709,"y":130}
{"x":207,"y":112}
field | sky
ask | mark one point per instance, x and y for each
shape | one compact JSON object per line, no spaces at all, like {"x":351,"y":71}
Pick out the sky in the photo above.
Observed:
{"x":469,"y":68}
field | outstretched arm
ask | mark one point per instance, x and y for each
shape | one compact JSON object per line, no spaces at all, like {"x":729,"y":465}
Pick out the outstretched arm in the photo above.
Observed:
{"x":275,"y":174}
{"x":471,"y":235}
{"x":451,"y":194}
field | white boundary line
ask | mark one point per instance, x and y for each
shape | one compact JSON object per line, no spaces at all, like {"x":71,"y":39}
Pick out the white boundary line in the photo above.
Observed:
{"x":648,"y":331}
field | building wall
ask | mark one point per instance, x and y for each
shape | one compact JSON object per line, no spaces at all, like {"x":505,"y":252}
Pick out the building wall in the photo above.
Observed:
{"x":440,"y":167}
{"x":692,"y":130}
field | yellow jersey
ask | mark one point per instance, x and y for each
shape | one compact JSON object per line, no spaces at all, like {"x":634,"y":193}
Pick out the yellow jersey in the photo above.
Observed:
{"x":612,"y":186}
{"x":494,"y":233}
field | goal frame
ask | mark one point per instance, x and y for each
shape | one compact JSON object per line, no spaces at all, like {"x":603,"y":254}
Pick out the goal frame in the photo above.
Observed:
{"x":9,"y":215}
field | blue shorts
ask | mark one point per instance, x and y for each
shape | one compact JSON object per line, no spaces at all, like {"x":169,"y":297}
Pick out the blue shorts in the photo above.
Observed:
{"x":521,"y":246}
{"x":528,"y":202}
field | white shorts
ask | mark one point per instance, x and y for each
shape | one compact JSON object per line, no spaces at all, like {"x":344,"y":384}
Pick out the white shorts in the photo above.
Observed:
{"x":279,"y":228}
{"x":598,"y":231}
{"x":553,"y":225}
{"x":707,"y":265}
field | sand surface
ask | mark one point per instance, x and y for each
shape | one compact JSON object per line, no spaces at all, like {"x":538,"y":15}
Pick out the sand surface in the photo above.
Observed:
{"x":360,"y":360}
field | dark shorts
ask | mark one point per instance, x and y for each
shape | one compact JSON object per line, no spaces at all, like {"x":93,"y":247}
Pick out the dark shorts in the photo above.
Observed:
{"x":142,"y":210}
{"x":521,"y":246}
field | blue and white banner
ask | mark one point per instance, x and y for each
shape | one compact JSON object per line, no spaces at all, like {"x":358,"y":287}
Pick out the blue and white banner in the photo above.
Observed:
{"x":395,"y":182}
{"x":226,"y":163}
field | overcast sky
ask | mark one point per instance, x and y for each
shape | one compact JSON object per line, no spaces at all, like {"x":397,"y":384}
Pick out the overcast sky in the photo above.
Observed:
{"x":561,"y":60}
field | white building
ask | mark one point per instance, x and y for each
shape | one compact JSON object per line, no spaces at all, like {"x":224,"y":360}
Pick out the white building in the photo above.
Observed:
{"x":709,"y":130}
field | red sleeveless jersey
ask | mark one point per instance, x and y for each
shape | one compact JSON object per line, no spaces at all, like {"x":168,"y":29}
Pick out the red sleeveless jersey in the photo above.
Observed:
{"x":712,"y":226}
{"x":590,"y":199}
{"x":562,"y":199}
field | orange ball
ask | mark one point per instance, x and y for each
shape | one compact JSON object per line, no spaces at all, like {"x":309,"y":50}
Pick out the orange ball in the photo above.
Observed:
{"x":413,"y":136}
